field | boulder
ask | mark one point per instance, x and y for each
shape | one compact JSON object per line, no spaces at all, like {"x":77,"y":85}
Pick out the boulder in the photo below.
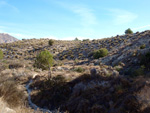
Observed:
{"x":93,"y":71}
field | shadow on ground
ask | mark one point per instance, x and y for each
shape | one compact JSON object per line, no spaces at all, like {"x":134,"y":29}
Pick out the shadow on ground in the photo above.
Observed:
{"x":93,"y":94}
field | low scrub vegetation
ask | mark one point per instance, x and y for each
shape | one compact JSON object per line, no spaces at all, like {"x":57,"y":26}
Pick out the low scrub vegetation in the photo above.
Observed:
{"x":11,"y":94}
{"x":128,"y":31}
{"x":51,"y":42}
{"x":4,"y":108}
{"x":44,"y":60}
{"x":145,"y":60}
{"x":1,"y":54}
{"x":79,"y":69}
{"x":142,"y":46}
{"x":100,"y":53}
{"x":138,"y":72}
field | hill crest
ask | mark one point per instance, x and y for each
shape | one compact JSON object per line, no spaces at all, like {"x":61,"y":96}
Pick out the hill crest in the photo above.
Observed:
{"x":6,"y":38}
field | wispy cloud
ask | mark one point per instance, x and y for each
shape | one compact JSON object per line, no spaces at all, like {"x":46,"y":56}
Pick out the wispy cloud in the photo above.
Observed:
{"x":72,"y":38}
{"x":1,"y":27}
{"x":141,"y":27}
{"x":22,"y":36}
{"x":64,"y":38}
{"x":1,"y":31}
{"x":50,"y":37}
{"x":86,"y":14}
{"x":4,"y":4}
{"x":122,"y":16}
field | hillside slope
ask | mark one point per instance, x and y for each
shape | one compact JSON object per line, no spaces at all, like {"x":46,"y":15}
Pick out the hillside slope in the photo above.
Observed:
{"x":116,"y":83}
{"x":6,"y":38}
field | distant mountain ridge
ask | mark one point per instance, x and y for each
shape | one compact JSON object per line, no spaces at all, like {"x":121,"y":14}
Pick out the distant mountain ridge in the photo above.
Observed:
{"x":6,"y":38}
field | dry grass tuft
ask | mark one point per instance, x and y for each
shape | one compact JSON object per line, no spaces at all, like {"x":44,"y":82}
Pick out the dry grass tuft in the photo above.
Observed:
{"x":4,"y":108}
{"x":11,"y":94}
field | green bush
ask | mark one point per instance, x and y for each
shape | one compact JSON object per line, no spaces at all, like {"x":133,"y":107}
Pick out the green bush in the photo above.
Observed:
{"x":84,"y":40}
{"x":76,"y":39}
{"x":43,"y":60}
{"x":128,"y":31}
{"x":15,"y":65}
{"x":100,"y":53}
{"x":79,"y":69}
{"x":51,"y":42}
{"x":142,"y":46}
{"x":1,"y":54}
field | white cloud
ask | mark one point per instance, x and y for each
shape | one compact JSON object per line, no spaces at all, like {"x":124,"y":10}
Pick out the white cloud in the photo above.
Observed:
{"x":22,"y":36}
{"x":72,"y":38}
{"x":65,"y":38}
{"x":4,"y":4}
{"x":122,"y":16}
{"x":1,"y":31}
{"x":51,"y":37}
{"x":86,"y":14}
{"x":2,"y":27}
{"x":142,"y":27}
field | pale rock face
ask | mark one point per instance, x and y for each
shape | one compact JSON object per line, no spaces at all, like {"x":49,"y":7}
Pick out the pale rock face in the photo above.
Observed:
{"x":4,"y":107}
{"x":8,"y":110}
{"x":124,"y":50}
{"x":34,"y":75}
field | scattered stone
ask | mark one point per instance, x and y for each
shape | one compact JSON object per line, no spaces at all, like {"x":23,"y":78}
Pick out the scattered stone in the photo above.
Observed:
{"x":105,"y":71}
{"x":122,"y":64}
{"x":115,"y":73}
{"x":59,"y":68}
{"x":91,"y":64}
{"x":93,"y":72}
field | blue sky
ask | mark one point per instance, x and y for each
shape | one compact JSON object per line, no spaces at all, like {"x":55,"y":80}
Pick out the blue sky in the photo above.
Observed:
{"x":67,"y":19}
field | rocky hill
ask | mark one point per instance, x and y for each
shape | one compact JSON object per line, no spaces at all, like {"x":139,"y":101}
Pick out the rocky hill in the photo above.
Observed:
{"x":6,"y":38}
{"x":116,"y":83}
{"x":124,"y":48}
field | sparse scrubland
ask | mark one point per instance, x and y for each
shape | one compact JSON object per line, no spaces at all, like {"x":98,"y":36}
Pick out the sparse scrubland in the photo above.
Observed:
{"x":110,"y":75}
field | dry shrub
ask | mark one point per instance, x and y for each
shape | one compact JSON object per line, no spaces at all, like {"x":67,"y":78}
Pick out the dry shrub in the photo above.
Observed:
{"x":11,"y":94}
{"x":15,"y":65}
{"x":3,"y":65}
{"x":5,"y":109}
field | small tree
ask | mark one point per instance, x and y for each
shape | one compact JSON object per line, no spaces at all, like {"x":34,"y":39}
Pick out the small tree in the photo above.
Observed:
{"x":44,"y":60}
{"x":100,"y":53}
{"x":76,"y":39}
{"x":128,"y":31}
{"x":51,"y":42}
{"x":1,"y":54}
